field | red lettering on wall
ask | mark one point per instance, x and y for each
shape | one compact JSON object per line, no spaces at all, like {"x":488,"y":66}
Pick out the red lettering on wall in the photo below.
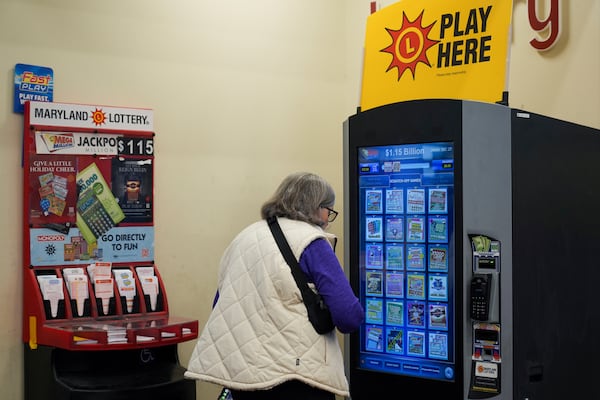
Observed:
{"x":549,"y":26}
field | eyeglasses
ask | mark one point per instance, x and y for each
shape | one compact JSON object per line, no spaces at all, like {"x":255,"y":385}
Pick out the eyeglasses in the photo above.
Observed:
{"x":331,"y":214}
{"x":132,"y":185}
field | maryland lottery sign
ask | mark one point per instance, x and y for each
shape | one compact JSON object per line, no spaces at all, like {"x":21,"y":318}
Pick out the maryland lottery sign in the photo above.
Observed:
{"x":417,"y":49}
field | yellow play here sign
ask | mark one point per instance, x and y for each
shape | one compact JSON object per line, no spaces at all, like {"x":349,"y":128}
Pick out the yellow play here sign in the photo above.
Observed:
{"x":426,"y":49}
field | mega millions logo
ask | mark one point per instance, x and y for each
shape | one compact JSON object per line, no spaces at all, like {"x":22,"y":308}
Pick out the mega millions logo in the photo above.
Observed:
{"x":460,"y":40}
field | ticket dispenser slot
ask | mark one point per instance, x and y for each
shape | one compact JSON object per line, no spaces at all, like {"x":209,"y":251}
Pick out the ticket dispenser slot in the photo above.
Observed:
{"x":484,"y":310}
{"x":486,"y":361}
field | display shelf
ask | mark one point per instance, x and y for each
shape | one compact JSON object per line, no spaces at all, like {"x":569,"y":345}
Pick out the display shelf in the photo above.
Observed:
{"x":124,"y":326}
{"x":90,"y":281}
{"x":121,"y":333}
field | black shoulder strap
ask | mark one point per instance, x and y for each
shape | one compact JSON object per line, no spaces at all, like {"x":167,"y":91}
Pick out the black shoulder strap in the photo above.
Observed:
{"x":299,"y":276}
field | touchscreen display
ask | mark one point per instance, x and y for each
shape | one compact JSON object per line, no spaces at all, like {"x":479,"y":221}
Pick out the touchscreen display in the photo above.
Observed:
{"x":406,"y":229}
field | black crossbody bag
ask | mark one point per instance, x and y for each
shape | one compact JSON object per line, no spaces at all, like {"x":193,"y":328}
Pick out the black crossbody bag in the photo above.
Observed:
{"x":318,"y":313}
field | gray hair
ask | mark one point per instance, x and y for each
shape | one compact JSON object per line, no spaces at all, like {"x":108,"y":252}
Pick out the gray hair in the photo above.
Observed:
{"x":299,"y":197}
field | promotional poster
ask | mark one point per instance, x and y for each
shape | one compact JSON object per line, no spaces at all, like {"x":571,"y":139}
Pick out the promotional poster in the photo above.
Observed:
{"x":90,"y":194}
{"x":436,"y":49}
{"x":32,"y":83}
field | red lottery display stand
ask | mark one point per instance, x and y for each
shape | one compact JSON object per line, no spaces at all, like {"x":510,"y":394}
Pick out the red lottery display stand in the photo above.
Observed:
{"x":96,"y":321}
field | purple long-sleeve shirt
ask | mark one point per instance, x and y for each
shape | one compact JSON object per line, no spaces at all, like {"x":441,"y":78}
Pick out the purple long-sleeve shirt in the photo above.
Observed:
{"x":321,"y":266}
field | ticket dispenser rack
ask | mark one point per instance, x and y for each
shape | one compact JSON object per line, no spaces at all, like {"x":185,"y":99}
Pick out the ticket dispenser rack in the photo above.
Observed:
{"x":484,"y":311}
{"x":96,"y":320}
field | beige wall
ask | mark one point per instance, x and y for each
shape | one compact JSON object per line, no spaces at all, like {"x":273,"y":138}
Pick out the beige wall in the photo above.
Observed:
{"x":243,"y":93}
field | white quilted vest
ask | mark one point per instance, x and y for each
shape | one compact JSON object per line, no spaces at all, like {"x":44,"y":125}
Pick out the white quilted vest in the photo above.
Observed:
{"x":258,"y":335}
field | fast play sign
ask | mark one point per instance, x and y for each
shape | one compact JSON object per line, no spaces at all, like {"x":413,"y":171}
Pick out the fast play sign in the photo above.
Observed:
{"x":417,"y":49}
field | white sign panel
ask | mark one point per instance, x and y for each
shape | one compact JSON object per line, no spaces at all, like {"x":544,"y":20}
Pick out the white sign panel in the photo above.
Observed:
{"x":91,"y":116}
{"x":76,"y":143}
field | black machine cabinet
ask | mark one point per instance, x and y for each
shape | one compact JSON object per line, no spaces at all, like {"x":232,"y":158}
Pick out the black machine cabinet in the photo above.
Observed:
{"x":141,"y":374}
{"x":529,"y":181}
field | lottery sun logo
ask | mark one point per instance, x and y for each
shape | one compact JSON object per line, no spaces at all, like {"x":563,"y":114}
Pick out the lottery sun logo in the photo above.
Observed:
{"x":409,"y":45}
{"x":98,"y":117}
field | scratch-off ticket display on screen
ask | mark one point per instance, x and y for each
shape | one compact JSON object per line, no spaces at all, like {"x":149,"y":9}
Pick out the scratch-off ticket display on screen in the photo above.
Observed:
{"x":406,"y":228}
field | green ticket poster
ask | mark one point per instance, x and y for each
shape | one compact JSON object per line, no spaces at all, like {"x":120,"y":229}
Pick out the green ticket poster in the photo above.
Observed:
{"x":97,"y":209}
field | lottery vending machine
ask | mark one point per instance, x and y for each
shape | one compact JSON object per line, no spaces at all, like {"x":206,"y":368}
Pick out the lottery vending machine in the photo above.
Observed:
{"x":470,"y":230}
{"x":96,"y":320}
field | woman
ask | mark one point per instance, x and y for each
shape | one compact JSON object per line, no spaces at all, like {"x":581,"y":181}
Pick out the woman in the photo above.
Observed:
{"x":258,"y":340}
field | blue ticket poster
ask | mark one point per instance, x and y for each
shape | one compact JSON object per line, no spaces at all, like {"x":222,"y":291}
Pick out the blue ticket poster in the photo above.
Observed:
{"x":32,"y":83}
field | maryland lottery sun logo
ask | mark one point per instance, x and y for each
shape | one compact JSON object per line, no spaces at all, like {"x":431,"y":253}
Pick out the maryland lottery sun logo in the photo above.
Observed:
{"x":98,"y":117}
{"x":461,"y":41}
